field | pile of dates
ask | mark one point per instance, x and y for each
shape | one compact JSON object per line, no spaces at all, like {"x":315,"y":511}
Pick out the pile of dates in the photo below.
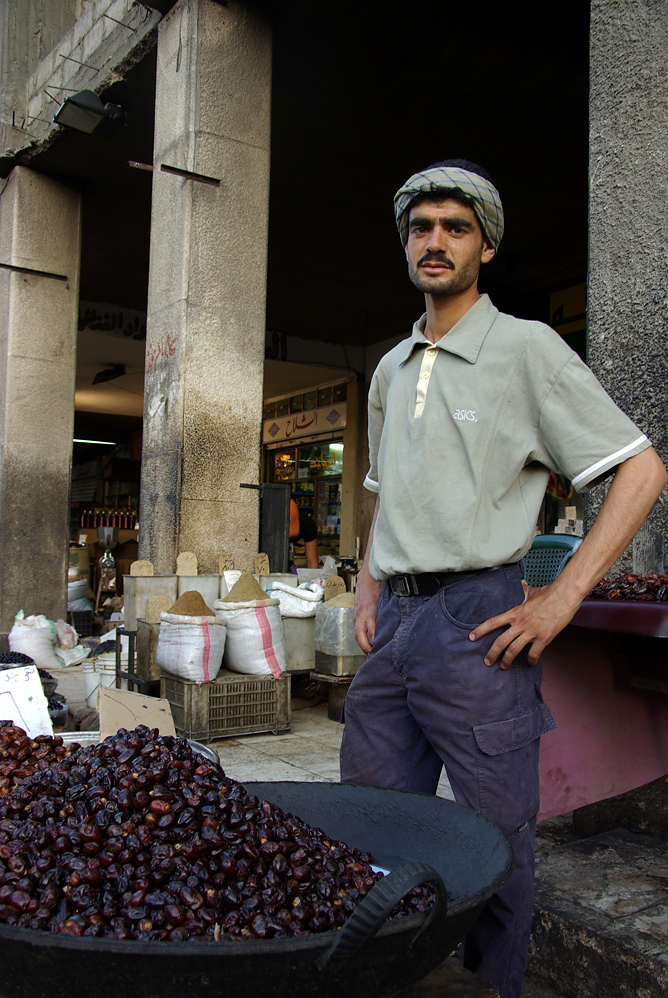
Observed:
{"x":651,"y":588}
{"x":140,"y":837}
{"x":21,"y":756}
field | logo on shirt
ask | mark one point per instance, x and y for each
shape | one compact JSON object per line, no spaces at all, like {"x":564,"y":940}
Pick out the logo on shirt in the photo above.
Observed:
{"x":466,"y":414}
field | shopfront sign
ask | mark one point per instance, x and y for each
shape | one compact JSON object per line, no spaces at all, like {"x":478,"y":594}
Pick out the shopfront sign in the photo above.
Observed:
{"x":326,"y":419}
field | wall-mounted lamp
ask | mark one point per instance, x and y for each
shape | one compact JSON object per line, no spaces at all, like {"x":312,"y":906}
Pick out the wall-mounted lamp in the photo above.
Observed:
{"x":117,"y":371}
{"x":85,"y":112}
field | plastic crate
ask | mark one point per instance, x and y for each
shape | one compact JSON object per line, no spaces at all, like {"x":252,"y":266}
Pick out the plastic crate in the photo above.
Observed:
{"x":231,"y":705}
{"x":81,"y":621}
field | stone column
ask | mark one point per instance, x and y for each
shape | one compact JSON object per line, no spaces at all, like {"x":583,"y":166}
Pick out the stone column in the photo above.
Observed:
{"x":40,"y":223}
{"x":207,"y":284}
{"x":628,"y":219}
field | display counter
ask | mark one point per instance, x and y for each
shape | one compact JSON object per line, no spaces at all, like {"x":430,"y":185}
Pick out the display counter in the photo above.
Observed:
{"x":605,"y":679}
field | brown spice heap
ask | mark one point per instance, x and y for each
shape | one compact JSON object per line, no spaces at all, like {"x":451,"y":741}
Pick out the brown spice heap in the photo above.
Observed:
{"x":141,"y":838}
{"x":343,"y":599}
{"x":191,"y":604}
{"x":21,"y":756}
{"x":244,"y":590}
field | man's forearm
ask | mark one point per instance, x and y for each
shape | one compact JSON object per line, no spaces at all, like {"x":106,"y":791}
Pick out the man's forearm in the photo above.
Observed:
{"x":366,"y":595}
{"x":634,"y":490}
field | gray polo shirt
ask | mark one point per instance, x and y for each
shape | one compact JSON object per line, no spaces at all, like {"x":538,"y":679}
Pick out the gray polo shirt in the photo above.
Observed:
{"x":463,"y":435}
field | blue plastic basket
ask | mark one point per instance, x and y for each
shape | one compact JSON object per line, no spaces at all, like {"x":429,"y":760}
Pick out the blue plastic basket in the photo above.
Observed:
{"x":547,"y":556}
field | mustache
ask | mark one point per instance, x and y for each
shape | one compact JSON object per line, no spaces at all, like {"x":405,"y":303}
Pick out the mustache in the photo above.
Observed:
{"x":436,"y":258}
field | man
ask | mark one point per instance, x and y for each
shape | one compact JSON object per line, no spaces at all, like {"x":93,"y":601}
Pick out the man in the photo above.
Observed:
{"x":466,"y":420}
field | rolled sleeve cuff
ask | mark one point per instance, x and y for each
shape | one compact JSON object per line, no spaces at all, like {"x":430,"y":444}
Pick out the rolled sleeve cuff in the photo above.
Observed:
{"x":371,"y":485}
{"x":596,"y":473}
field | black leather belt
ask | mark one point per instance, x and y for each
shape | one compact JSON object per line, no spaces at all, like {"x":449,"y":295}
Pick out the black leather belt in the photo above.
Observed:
{"x":429,"y":583}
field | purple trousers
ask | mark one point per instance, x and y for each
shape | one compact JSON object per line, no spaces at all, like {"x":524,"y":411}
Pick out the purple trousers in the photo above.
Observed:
{"x":425,"y":699}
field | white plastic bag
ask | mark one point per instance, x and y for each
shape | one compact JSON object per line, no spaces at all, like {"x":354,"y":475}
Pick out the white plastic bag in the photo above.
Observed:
{"x":35,"y":636}
{"x":296,"y":601}
{"x":71,"y":656}
{"x":319,"y":575}
{"x":334,"y":631}
{"x":191,"y":647}
{"x":255,"y":644}
{"x":66,"y":636}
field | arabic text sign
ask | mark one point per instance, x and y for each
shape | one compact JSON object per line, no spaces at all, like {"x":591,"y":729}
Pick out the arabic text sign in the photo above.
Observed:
{"x":114,"y":320}
{"x":22,"y":701}
{"x":305,"y":424}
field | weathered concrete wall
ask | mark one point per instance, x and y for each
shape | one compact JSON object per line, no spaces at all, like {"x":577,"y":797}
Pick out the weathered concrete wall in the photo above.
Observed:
{"x":207,"y":285}
{"x":39,"y":229}
{"x":50,"y":48}
{"x":628,"y":220}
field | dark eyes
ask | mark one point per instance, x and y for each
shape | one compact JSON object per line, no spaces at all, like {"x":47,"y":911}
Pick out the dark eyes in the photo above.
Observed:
{"x":420,"y":230}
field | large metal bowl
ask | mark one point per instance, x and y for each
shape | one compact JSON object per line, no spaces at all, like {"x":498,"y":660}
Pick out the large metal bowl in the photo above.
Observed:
{"x":471,"y":855}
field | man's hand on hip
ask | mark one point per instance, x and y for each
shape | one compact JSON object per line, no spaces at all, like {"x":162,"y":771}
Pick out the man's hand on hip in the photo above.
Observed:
{"x":367,"y":592}
{"x":538,"y":620}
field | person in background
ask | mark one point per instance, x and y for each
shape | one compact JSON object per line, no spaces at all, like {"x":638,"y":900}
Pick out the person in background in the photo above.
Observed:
{"x":302,"y":527}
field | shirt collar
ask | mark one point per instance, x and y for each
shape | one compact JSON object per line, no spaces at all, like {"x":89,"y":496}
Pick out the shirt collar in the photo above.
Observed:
{"x":466,"y":337}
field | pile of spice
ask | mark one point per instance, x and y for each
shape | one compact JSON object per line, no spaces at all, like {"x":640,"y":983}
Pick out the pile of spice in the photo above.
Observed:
{"x":652,"y":588}
{"x":191,"y":604}
{"x":343,"y":599}
{"x":21,"y":756}
{"x":142,"y":838}
{"x":245,"y":590}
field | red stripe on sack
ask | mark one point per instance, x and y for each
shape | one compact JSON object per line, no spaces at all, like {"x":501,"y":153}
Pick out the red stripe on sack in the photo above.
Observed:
{"x":267,"y":643}
{"x":206,"y":648}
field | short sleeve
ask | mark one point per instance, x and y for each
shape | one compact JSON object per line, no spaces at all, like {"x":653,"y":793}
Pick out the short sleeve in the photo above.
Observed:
{"x":586,"y":435}
{"x":307,"y":528}
{"x":375,"y":417}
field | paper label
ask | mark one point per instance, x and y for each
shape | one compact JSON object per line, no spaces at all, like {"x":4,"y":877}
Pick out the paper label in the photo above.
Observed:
{"x":22,"y":701}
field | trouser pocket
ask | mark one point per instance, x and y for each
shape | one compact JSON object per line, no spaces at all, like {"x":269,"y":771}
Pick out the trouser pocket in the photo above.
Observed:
{"x":507,"y":761}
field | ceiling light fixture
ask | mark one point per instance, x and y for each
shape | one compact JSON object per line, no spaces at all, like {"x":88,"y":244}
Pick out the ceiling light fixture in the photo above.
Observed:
{"x":85,"y":112}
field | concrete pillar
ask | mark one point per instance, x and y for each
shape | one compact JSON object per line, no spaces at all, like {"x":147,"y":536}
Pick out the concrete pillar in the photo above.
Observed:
{"x":40,"y":223}
{"x":207,"y":284}
{"x":357,"y":503}
{"x":628,"y":219}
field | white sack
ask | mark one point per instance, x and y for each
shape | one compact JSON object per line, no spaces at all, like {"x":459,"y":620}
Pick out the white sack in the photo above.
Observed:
{"x":191,"y":647}
{"x":35,"y":636}
{"x":295,"y":601}
{"x":255,"y":644}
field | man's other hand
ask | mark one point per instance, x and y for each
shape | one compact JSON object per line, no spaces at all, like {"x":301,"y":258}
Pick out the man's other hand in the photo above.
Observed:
{"x":544,"y":613}
{"x":367,"y":592}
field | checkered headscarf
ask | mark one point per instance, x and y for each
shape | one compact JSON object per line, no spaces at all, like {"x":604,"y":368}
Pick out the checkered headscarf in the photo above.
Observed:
{"x":486,"y":199}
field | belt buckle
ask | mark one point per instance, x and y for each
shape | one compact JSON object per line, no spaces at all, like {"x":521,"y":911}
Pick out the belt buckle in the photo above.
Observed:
{"x":400,"y":586}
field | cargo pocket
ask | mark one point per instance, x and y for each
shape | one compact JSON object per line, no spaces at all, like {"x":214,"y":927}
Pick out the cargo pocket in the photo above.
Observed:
{"x":508,"y":766}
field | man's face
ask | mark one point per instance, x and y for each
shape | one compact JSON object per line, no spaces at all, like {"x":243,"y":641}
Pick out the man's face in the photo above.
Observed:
{"x":445,"y":247}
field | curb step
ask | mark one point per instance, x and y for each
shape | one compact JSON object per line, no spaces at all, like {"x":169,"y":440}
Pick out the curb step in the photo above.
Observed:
{"x":600,"y":927}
